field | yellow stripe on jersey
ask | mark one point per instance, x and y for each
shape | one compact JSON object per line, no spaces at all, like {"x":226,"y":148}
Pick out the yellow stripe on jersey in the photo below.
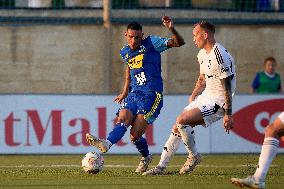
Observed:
{"x":155,"y":106}
{"x":136,"y":62}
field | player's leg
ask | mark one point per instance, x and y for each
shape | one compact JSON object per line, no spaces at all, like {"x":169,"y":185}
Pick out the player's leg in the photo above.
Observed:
{"x":185,"y":123}
{"x":115,"y":135}
{"x":172,"y":145}
{"x":170,"y":148}
{"x":138,"y":128}
{"x":269,"y":149}
{"x":201,"y":111}
{"x":149,"y":107}
{"x":125,"y":118}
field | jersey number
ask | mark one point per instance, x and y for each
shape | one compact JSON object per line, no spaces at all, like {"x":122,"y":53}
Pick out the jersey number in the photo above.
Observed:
{"x":140,"y":78}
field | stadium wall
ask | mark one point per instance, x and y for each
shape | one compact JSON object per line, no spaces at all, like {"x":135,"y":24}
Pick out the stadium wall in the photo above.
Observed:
{"x":70,"y":59}
{"x":56,"y":124}
{"x":63,"y":51}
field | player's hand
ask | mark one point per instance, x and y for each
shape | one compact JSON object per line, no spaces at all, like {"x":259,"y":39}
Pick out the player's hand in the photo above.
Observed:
{"x":120,"y":98}
{"x":167,"y":21}
{"x":228,"y":123}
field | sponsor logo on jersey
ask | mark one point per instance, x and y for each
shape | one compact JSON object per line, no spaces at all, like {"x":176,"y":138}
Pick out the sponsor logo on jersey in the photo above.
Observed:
{"x":136,"y":62}
{"x":224,"y":69}
{"x":126,"y":56}
{"x":142,"y":49}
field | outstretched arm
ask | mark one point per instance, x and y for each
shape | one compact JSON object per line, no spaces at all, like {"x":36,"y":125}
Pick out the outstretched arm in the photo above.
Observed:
{"x":199,"y":87}
{"x":228,"y":119}
{"x":177,"y":40}
{"x":125,"y":90}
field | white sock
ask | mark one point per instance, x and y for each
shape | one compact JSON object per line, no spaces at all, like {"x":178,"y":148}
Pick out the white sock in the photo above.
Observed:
{"x":268,"y":153}
{"x":188,"y":138}
{"x":170,"y":149}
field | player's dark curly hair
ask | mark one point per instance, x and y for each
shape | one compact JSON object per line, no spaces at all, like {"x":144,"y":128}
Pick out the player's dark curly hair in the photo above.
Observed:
{"x":206,"y":26}
{"x":134,"y":26}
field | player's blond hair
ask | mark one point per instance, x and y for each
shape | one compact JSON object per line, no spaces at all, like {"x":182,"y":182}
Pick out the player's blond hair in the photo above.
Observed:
{"x":207,"y":26}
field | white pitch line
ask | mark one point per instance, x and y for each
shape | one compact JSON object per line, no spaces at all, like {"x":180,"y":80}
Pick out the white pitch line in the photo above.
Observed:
{"x":120,"y":166}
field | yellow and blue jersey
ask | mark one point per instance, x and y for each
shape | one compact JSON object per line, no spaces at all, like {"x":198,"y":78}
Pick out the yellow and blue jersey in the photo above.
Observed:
{"x":145,"y":64}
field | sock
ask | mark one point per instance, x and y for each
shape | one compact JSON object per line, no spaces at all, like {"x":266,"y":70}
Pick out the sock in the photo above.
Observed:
{"x":188,"y":138}
{"x":142,"y":146}
{"x":117,"y":133}
{"x":170,"y":149}
{"x":268,"y":153}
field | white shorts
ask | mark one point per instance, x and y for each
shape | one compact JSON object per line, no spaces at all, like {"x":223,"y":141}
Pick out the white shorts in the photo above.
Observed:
{"x":211,"y":111}
{"x":281,"y":117}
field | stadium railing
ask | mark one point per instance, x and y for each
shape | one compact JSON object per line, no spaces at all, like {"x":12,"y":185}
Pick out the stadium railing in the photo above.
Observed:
{"x":223,"y":5}
{"x":186,"y":11}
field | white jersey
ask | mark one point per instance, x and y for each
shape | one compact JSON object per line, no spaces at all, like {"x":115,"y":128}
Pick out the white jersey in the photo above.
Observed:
{"x":281,"y":117}
{"x":216,"y":65}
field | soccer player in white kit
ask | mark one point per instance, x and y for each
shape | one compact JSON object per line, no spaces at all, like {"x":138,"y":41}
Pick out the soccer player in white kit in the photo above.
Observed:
{"x":273,"y":132}
{"x":210,"y":101}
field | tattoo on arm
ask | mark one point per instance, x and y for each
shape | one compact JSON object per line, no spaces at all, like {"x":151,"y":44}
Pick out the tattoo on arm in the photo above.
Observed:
{"x":226,"y":83}
{"x":199,"y":86}
{"x":177,"y":40}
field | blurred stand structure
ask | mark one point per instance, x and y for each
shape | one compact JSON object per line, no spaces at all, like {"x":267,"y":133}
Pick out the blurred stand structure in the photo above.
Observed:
{"x":39,"y":3}
{"x":84,"y":3}
{"x":224,"y":5}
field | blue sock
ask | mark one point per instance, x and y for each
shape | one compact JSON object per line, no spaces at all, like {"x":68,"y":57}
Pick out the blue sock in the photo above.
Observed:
{"x":117,"y":133}
{"x":142,"y":146}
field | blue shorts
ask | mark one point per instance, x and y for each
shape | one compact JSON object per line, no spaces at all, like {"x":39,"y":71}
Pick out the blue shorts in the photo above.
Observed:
{"x":147,"y":103}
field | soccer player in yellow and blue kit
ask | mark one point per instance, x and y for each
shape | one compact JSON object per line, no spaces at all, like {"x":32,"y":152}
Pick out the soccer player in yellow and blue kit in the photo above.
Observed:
{"x":142,"y":104}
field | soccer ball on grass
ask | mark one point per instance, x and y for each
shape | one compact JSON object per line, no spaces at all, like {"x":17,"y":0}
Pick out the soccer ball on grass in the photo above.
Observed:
{"x":93,"y":162}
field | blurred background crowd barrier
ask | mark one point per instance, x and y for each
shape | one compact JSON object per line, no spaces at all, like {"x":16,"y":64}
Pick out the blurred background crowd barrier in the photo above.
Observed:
{"x":224,"y":5}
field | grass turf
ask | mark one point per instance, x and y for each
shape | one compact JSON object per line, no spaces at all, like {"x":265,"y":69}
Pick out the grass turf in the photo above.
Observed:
{"x":64,"y":171}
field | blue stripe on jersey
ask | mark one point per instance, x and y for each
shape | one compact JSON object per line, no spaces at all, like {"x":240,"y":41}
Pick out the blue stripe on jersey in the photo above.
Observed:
{"x":160,"y":44}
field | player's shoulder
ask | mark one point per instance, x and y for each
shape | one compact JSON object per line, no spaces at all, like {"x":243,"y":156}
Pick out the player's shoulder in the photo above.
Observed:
{"x":124,"y":50}
{"x":219,"y":48}
{"x":221,"y":52}
{"x":201,"y":53}
{"x":147,"y":40}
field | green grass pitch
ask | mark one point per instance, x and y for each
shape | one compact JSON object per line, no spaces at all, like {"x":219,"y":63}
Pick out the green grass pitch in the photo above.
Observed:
{"x":64,"y":171}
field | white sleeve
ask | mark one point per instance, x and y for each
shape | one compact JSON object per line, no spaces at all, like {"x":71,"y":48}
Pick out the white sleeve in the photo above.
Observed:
{"x":225,"y":63}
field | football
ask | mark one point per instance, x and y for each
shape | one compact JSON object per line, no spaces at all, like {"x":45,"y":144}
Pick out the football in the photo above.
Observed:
{"x":93,"y":162}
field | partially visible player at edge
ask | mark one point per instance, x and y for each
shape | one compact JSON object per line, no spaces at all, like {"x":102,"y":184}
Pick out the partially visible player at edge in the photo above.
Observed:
{"x":142,"y":105}
{"x":273,"y":132}
{"x":210,"y":101}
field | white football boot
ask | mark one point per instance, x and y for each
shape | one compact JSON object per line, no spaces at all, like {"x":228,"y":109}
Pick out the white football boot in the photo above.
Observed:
{"x":155,"y":171}
{"x":249,"y":182}
{"x":101,"y":144}
{"x":190,"y":164}
{"x":144,"y":163}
